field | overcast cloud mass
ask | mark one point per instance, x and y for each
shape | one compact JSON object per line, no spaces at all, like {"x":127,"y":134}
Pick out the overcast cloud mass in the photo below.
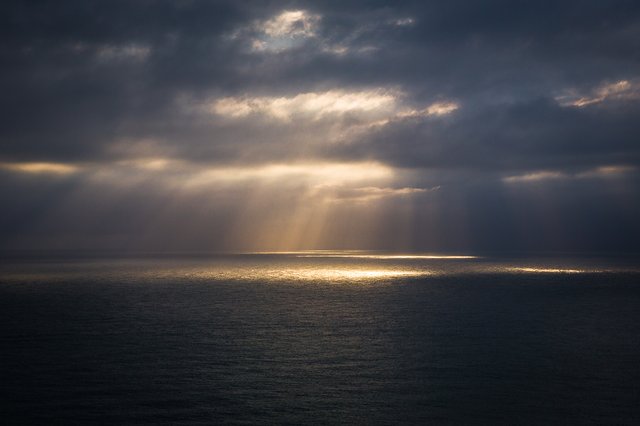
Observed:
{"x":257,"y":125}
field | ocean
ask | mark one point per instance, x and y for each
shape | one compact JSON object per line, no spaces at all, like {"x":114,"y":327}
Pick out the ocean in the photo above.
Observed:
{"x":319,"y":337}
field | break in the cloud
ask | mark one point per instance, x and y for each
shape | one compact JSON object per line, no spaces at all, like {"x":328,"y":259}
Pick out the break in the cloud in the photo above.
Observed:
{"x":286,"y":30}
{"x":270,"y":125}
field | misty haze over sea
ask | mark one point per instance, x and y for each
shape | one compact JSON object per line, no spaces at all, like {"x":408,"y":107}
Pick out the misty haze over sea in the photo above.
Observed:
{"x":319,"y":338}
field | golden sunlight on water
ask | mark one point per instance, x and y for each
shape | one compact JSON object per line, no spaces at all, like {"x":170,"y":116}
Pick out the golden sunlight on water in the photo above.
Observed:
{"x":348,"y":274}
{"x":339,"y":274}
{"x":305,"y":267}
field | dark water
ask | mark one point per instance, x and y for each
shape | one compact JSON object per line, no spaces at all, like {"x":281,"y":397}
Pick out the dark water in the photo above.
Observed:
{"x":319,"y":340}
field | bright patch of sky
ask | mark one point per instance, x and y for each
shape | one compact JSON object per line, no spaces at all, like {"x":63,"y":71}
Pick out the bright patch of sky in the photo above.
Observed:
{"x":286,"y":30}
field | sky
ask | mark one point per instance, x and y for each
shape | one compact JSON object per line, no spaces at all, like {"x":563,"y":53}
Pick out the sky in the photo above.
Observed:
{"x":287,"y":125}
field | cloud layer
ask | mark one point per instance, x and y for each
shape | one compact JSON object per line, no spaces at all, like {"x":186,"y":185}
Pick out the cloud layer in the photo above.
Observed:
{"x":282,"y":125}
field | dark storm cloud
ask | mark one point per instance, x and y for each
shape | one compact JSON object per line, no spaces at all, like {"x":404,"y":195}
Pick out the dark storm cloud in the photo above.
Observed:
{"x":77,"y":76}
{"x":72,"y":76}
{"x":540,"y":87}
{"x":537,"y":134}
{"x":464,"y":48}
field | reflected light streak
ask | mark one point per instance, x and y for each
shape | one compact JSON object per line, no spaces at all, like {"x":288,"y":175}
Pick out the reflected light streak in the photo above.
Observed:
{"x":360,"y":254}
{"x":344,"y":274}
{"x":339,"y":274}
{"x":387,"y":256}
{"x":550,"y":270}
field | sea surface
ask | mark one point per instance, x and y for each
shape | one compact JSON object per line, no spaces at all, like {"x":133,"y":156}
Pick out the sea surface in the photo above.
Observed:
{"x":319,"y":338}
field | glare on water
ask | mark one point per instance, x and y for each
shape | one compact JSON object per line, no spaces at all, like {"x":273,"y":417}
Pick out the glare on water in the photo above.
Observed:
{"x":549,"y":270}
{"x":328,"y":266}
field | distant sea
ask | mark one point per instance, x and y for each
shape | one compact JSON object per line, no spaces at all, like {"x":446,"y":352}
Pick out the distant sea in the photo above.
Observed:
{"x":319,"y":337}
